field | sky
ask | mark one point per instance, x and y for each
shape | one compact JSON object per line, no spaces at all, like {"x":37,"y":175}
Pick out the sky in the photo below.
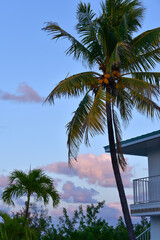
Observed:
{"x":33,"y":134}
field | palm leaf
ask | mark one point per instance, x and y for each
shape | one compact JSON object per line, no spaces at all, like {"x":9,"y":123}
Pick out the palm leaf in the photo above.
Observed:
{"x":146,"y":40}
{"x":140,"y":87}
{"x":145,"y":52}
{"x":146,"y":61}
{"x":124,"y":103}
{"x":133,"y":13}
{"x":121,"y":53}
{"x":75,"y":128}
{"x":85,"y":16}
{"x":96,"y":120}
{"x":17,"y":175}
{"x":73,"y":86}
{"x":146,"y":106}
{"x":151,"y":77}
{"x":77,"y":49}
{"x":11,"y":192}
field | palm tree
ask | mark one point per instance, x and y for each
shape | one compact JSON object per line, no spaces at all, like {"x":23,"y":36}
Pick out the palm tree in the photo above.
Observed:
{"x":35,"y":182}
{"x":126,"y":80}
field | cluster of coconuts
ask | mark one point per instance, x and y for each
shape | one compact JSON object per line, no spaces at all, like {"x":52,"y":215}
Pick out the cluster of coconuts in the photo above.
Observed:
{"x":105,"y":78}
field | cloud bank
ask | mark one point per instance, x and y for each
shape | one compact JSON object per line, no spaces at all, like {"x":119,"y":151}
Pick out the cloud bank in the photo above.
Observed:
{"x":24,"y":93}
{"x":73,"y":194}
{"x":94,"y":169}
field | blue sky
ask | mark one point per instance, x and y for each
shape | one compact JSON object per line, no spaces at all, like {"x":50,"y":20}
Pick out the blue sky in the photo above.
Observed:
{"x":32,"y":134}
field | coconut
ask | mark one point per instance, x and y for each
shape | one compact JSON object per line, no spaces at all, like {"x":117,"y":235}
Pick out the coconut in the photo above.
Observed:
{"x":107,"y":75}
{"x":114,"y":72}
{"x":100,"y":81}
{"x":106,"y":81}
{"x":118,"y":74}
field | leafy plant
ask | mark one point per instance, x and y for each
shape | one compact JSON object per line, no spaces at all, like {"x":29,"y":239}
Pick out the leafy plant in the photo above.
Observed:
{"x":35,"y":182}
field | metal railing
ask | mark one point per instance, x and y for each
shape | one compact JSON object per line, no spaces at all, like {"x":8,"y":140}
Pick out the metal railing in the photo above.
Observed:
{"x":146,"y":235}
{"x":146,"y":189}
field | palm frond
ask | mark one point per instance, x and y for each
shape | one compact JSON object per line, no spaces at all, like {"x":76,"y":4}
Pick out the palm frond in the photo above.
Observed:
{"x":75,"y":129}
{"x":146,"y":106}
{"x":133,"y":13}
{"x":151,"y":77}
{"x":73,"y":86}
{"x":96,"y":120}
{"x":124,"y":103}
{"x":140,"y":87}
{"x":147,"y":40}
{"x":147,"y":61}
{"x":146,"y":49}
{"x":145,"y":52}
{"x":76,"y":48}
{"x":12,"y":191}
{"x":85,"y":16}
{"x":121,"y":53}
{"x":87,"y":27}
{"x":17,"y":175}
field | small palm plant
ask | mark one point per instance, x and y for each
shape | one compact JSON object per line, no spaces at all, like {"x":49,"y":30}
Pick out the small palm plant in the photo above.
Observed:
{"x":35,"y":182}
{"x":126,"y":80}
{"x":15,"y":228}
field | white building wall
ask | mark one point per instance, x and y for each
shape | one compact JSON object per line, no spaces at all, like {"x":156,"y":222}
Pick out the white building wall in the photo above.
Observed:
{"x":155,"y":228}
{"x":154,"y":163}
{"x":154,"y":170}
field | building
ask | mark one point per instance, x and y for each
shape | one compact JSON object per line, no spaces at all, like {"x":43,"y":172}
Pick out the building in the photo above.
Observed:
{"x":146,"y":190}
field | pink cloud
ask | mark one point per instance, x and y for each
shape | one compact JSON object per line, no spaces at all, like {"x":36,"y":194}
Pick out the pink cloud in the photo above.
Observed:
{"x":3,"y":181}
{"x":95,"y":169}
{"x":25,"y":93}
{"x":74,"y":194}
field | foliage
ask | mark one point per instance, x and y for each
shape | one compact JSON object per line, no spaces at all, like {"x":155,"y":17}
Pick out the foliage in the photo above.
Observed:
{"x":142,"y":226}
{"x":35,"y":182}
{"x":15,"y":228}
{"x":85,"y":224}
{"x":38,"y":219}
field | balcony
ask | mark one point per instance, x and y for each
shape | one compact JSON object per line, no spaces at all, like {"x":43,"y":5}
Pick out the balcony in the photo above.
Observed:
{"x":146,"y":194}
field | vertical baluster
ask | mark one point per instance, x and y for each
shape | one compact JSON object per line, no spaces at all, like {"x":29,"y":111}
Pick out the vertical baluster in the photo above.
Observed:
{"x":137,"y":190}
{"x":143,"y":191}
{"x":147,"y":191}
{"x":134,"y":192}
{"x":155,"y":188}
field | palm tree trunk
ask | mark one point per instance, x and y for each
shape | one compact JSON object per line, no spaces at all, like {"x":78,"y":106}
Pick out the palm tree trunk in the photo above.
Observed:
{"x":117,"y":175}
{"x":27,"y":206}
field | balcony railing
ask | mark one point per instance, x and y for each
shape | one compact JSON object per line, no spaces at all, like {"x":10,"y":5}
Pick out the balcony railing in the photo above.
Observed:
{"x":146,"y":235}
{"x":146,"y":190}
